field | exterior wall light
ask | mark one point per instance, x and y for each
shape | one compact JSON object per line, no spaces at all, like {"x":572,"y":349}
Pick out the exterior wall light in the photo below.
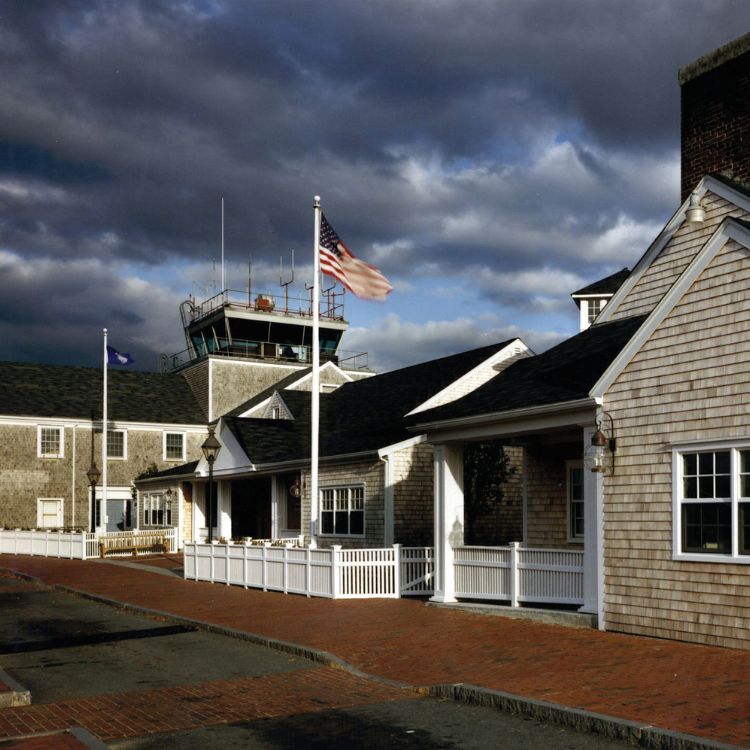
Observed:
{"x":695,"y":213}
{"x":211,"y":447}
{"x":600,"y":455}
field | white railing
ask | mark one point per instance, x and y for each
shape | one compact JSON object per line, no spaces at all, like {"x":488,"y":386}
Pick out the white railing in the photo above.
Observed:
{"x":331,"y":572}
{"x":70,"y":544}
{"x":519,"y":574}
{"x":79,"y":545}
{"x":293,"y":570}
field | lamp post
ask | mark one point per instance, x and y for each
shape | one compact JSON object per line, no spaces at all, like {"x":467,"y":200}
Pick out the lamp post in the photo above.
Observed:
{"x":93,"y":475}
{"x":210,"y":448}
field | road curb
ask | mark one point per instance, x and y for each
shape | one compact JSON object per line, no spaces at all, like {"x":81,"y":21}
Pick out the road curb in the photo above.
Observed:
{"x":637,"y":734}
{"x":640,"y":735}
{"x":16,"y":695}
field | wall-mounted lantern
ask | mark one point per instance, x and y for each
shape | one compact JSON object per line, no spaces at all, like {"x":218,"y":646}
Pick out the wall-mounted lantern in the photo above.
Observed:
{"x":600,"y":455}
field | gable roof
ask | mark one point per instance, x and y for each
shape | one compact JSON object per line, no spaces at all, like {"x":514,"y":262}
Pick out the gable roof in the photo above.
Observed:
{"x":717,"y":184}
{"x":565,"y":372}
{"x":63,"y":391}
{"x":359,"y":417}
{"x":267,"y":393}
{"x":608,"y":285}
{"x":729,"y":229}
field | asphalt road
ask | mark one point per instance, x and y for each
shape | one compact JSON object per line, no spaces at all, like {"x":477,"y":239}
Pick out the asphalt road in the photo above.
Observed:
{"x":147,"y":684}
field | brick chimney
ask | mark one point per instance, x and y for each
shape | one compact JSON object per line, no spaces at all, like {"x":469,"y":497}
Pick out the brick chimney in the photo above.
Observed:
{"x":715,"y":115}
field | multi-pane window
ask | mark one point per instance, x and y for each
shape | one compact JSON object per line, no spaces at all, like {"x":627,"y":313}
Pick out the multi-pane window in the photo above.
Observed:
{"x":116,"y":444}
{"x":594,"y":308}
{"x":50,"y":442}
{"x":342,"y":511}
{"x":156,"y":510}
{"x":174,"y":446}
{"x":575,"y":500}
{"x":712,"y":504}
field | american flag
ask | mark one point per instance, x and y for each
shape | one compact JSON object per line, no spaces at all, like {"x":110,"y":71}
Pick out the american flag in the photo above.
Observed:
{"x":358,"y":277}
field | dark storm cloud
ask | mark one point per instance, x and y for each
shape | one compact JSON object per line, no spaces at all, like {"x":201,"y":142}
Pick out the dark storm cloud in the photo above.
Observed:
{"x":479,"y":137}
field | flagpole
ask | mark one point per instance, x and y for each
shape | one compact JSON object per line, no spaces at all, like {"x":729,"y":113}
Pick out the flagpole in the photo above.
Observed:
{"x":315,"y":399}
{"x":103,"y":506}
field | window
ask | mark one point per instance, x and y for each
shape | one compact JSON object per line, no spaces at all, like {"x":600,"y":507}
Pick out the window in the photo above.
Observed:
{"x":50,"y":442}
{"x":116,"y":444}
{"x":49,"y":513}
{"x":575,"y":500}
{"x":156,"y":510}
{"x":342,"y":511}
{"x":174,"y":446}
{"x":594,"y":308}
{"x":712,"y":503}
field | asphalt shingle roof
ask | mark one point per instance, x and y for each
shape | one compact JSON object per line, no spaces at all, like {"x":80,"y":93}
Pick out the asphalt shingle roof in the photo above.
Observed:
{"x":608,"y":285}
{"x":357,"y":417}
{"x":565,"y":372}
{"x":62,"y":391}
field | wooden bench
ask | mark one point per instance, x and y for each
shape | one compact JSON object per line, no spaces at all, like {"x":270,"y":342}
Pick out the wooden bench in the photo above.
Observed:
{"x":135,"y":544}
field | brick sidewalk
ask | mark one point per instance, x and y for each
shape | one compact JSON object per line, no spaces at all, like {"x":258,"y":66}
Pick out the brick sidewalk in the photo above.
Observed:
{"x":698,"y":690}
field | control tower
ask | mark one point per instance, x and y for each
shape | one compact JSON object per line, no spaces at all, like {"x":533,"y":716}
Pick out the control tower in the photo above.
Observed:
{"x":241,"y":343}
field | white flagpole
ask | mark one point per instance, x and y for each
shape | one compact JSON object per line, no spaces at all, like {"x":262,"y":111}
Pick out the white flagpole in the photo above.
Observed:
{"x":103,"y":506}
{"x":223,"y":282}
{"x":315,"y":399}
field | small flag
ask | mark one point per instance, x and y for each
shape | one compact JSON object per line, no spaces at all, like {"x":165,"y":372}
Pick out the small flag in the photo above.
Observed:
{"x":358,"y":277}
{"x":117,"y":358}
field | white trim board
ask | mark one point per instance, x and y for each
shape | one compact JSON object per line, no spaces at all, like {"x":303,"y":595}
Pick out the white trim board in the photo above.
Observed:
{"x":707,"y":184}
{"x":506,"y":355}
{"x":729,"y":229}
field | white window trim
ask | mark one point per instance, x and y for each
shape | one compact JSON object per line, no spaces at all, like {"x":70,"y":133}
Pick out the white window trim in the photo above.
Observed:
{"x":678,"y":451}
{"x":182,"y":458}
{"x":124,"y":456}
{"x":573,"y":464}
{"x":60,"y":510}
{"x":156,"y":501}
{"x":39,"y":429}
{"x":364,"y":510}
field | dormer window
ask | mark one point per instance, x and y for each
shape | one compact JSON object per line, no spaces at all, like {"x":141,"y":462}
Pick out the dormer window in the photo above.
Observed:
{"x":592,"y":299}
{"x":595,"y":306}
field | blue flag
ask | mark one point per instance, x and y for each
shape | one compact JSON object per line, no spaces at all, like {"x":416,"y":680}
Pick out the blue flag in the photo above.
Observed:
{"x":118,"y":358}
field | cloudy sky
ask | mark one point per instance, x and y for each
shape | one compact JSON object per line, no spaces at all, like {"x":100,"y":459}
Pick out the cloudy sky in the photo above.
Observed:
{"x":489,"y":156}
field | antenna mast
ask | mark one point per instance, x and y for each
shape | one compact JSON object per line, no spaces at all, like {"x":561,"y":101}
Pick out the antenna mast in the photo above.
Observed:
{"x":283,"y":283}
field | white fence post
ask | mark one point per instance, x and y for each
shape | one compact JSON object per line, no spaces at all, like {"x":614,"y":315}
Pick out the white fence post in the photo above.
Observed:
{"x":335,"y":567}
{"x":397,"y":571}
{"x":515,"y":579}
{"x":308,"y":572}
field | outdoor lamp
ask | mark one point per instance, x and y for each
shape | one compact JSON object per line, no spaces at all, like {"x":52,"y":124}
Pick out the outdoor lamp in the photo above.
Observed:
{"x":211,"y":447}
{"x":600,"y":455}
{"x":695,"y":213}
{"x":93,"y":475}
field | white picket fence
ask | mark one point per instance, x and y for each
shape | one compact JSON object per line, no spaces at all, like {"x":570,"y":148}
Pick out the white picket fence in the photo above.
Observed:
{"x":72,"y":545}
{"x":79,"y":545}
{"x":519,"y":574}
{"x":514,"y":573}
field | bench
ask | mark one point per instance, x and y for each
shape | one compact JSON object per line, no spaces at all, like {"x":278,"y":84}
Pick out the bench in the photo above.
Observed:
{"x":135,"y":544}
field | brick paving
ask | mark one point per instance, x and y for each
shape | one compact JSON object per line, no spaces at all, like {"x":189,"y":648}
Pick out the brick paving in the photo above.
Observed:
{"x":183,"y":707}
{"x":698,"y":690}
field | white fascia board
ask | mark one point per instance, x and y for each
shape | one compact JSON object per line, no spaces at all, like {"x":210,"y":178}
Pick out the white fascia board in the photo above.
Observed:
{"x":395,"y":447}
{"x":231,"y":457}
{"x":729,"y":229}
{"x":308,"y":376}
{"x":515,"y":348}
{"x":261,"y":405}
{"x":707,"y":184}
{"x":604,"y":295}
{"x":19,"y":421}
{"x":511,"y":422}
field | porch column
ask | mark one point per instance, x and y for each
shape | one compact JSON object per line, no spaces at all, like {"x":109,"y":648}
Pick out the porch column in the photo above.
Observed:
{"x":593,"y":539}
{"x":224,"y":510}
{"x":449,"y":516}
